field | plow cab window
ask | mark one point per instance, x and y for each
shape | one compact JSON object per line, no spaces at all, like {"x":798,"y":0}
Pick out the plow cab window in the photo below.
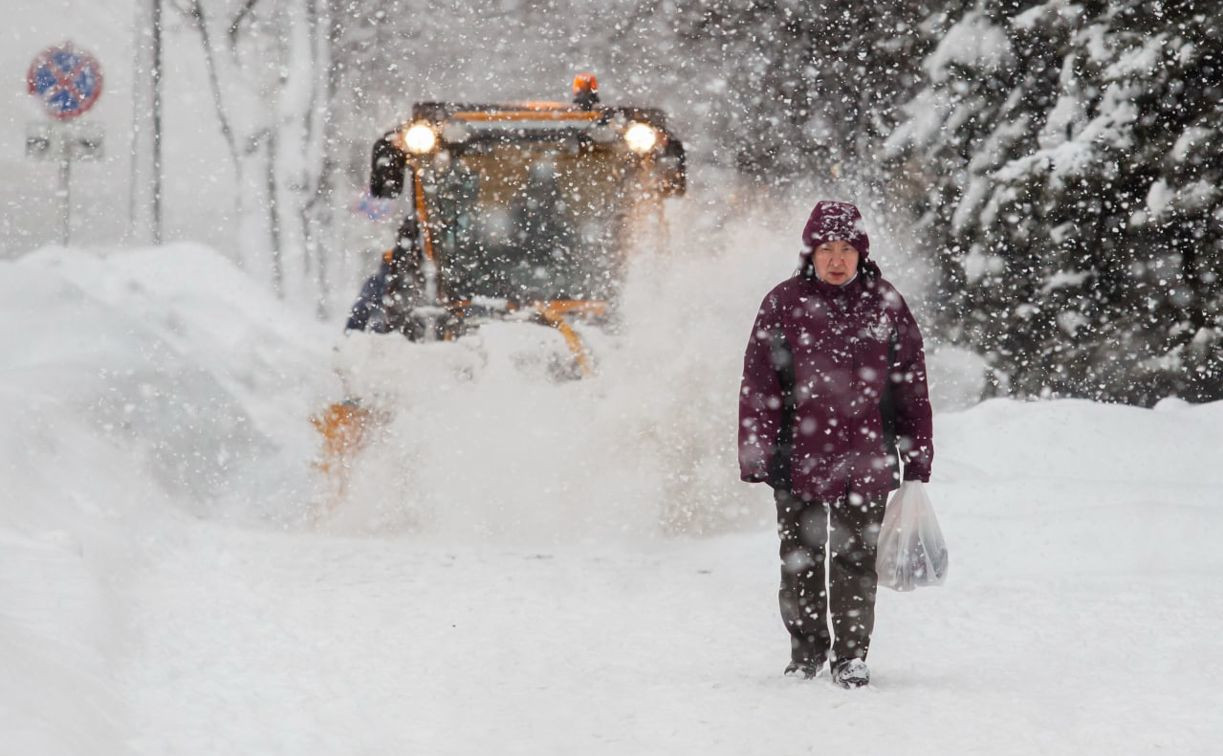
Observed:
{"x":528,"y":223}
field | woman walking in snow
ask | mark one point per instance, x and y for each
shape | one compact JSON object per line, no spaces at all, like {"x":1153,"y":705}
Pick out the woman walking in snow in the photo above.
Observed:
{"x":833,"y":398}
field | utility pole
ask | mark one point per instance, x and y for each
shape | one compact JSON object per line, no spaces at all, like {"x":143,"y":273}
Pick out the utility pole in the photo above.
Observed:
{"x":156,"y":81}
{"x":144,"y":201}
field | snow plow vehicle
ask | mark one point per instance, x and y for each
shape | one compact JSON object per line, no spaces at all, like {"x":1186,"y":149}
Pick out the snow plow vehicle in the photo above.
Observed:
{"x":520,"y":212}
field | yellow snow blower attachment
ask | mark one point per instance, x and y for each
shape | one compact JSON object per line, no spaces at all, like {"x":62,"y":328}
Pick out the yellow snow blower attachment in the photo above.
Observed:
{"x":343,"y":427}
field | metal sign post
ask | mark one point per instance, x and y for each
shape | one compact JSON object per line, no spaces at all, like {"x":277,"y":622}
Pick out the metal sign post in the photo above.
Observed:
{"x":68,"y":82}
{"x":65,"y":193}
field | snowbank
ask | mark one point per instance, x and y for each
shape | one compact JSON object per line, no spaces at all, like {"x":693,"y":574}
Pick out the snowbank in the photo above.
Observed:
{"x":135,"y":387}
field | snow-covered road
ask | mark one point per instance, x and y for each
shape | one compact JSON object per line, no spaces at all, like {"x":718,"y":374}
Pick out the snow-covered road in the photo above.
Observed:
{"x":297,"y":644}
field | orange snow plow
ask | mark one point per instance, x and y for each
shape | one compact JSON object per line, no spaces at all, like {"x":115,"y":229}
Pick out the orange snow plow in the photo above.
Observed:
{"x":516,"y":212}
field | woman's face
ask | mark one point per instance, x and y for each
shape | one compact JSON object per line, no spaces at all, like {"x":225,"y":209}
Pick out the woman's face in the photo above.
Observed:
{"x":835,"y":262}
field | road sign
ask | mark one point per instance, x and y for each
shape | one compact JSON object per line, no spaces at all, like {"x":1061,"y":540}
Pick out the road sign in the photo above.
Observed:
{"x":71,"y":141}
{"x":67,"y":80}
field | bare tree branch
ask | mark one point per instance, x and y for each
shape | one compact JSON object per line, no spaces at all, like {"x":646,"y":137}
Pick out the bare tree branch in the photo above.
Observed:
{"x":272,"y":142}
{"x":236,"y":25}
{"x":184,"y":8}
{"x":196,"y":12}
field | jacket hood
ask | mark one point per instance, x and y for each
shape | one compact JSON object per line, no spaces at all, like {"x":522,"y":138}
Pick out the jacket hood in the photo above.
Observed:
{"x":831,"y":220}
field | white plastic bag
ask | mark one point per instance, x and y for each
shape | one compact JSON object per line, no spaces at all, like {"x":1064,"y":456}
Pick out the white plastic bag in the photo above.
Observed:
{"x":912,"y":552}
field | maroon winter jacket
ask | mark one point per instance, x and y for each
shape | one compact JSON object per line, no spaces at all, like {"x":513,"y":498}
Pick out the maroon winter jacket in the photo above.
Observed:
{"x":834,"y":383}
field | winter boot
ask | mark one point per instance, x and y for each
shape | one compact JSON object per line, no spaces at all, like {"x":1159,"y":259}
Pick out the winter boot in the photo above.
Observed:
{"x":851,"y":673}
{"x":808,"y":668}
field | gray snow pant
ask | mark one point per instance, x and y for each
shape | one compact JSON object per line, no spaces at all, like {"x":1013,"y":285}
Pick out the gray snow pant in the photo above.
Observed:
{"x":851,"y":577}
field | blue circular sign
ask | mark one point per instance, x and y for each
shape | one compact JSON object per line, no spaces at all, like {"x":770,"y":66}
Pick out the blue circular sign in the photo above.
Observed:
{"x":67,"y":80}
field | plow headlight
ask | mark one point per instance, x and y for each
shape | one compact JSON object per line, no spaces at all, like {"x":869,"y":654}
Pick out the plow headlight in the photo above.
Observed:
{"x":640,"y":137}
{"x":419,"y":138}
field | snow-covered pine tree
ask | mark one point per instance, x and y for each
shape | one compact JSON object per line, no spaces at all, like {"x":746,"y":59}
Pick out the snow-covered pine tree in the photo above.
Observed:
{"x":1072,"y":153}
{"x":799,"y":88}
{"x":943,"y":152}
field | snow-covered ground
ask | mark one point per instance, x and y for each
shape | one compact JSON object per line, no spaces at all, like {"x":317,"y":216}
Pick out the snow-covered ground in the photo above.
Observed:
{"x":533,"y":567}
